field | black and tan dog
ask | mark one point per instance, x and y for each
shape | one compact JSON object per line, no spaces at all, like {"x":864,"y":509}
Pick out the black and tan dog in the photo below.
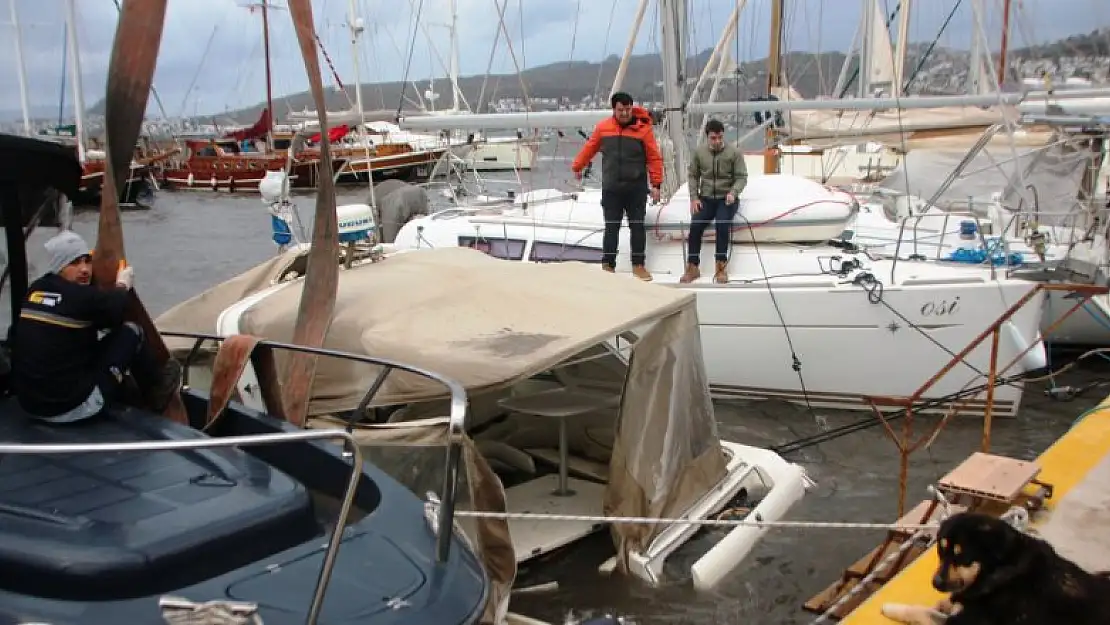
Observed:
{"x":1000,"y":576}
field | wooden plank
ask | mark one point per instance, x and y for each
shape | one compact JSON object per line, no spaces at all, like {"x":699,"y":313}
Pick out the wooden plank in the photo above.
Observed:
{"x":130,"y":76}
{"x":820,"y":602}
{"x":860,"y":567}
{"x":987,"y":476}
{"x":321,"y":280}
{"x":916,"y":516}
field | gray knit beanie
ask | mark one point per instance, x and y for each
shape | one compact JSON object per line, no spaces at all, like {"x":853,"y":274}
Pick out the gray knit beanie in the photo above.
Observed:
{"x":64,"y":248}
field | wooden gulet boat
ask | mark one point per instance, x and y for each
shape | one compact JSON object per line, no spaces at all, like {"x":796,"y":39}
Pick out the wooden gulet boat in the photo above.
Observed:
{"x":141,"y":179}
{"x":234,"y":162}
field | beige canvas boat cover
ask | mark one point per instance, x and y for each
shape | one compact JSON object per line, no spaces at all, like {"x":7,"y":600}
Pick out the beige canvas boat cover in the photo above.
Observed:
{"x":483,"y":322}
{"x":488,"y":323}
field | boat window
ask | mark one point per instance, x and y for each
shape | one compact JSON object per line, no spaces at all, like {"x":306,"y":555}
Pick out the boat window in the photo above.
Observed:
{"x":558,"y":252}
{"x":505,"y":249}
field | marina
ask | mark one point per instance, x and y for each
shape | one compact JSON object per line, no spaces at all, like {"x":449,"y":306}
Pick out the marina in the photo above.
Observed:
{"x":416,"y":399}
{"x":855,"y":474}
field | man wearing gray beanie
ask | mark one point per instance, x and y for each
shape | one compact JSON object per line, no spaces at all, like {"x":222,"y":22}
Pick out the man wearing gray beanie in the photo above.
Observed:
{"x":62,"y":369}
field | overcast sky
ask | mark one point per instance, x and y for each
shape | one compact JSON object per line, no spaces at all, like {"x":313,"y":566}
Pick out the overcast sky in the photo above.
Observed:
{"x":211,"y":57}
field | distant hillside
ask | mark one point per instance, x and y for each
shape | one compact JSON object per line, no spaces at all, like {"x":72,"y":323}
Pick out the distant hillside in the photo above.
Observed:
{"x":569,"y":80}
{"x":810,"y":74}
{"x":1094,"y":43}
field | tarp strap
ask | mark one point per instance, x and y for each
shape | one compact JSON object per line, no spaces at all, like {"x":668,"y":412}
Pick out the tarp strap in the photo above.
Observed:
{"x":231,"y":360}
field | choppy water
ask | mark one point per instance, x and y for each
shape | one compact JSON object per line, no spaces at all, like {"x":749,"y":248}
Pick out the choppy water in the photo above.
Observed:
{"x":192,"y":240}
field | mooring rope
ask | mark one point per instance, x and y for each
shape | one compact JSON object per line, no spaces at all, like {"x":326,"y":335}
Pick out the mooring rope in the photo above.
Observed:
{"x":590,"y":518}
{"x":179,"y":611}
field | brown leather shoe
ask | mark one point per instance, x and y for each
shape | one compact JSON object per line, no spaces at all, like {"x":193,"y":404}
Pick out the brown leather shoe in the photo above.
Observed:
{"x":608,"y":268}
{"x":692,"y":273}
{"x":641,"y":272}
{"x":720,"y":275}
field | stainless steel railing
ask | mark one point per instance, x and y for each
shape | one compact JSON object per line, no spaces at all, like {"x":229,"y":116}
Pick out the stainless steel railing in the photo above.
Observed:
{"x":456,"y":416}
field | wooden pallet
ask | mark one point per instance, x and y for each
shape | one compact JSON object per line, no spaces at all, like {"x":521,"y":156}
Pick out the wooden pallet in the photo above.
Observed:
{"x":987,"y":482}
{"x":983,"y":483}
{"x":926,"y":512}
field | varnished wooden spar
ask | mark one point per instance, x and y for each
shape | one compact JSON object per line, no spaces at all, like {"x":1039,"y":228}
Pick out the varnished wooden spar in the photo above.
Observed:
{"x":322,"y":273}
{"x":130,"y":76}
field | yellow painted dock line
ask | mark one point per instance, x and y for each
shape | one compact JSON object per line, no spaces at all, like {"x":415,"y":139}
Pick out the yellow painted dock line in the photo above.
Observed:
{"x":1063,"y":465}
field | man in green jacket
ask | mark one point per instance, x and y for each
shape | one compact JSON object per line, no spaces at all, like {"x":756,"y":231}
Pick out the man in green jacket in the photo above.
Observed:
{"x":717,"y":175}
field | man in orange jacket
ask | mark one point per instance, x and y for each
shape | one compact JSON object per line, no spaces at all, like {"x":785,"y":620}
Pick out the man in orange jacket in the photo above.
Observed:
{"x":631,"y":164}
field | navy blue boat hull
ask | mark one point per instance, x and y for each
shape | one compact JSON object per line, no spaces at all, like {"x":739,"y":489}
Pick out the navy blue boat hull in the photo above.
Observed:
{"x":385,"y":574}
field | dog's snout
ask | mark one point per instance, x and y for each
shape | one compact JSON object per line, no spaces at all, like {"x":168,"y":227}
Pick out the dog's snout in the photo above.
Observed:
{"x":939,"y":581}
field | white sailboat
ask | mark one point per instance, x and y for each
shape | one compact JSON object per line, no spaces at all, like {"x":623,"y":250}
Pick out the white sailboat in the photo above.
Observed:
{"x":799,"y":319}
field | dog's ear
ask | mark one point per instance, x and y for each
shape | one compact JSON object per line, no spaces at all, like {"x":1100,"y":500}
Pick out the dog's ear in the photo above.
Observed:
{"x":1004,"y":554}
{"x":998,"y":539}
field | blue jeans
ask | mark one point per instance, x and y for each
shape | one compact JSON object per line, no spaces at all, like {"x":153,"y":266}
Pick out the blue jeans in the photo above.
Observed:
{"x":712,"y":209}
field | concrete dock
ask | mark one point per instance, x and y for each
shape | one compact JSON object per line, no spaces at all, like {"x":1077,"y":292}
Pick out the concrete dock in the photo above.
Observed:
{"x":1076,"y":519}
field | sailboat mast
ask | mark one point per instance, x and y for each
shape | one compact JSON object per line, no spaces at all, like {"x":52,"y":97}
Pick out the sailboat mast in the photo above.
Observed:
{"x":454,"y":71}
{"x":866,"y":50}
{"x":269,"y":80}
{"x":774,"y":82}
{"x":672,"y":13}
{"x":21,"y":70}
{"x":75,"y":78}
{"x":1005,"y":42}
{"x":622,"y":69}
{"x":903,"y":46}
{"x":356,"y":26}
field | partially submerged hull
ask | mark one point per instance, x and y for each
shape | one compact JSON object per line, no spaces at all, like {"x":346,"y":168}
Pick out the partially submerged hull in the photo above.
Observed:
{"x":523,"y":425}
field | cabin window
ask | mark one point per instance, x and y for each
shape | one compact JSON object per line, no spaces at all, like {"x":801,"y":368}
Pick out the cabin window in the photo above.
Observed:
{"x":282,"y":144}
{"x":557,"y":252}
{"x":505,"y":249}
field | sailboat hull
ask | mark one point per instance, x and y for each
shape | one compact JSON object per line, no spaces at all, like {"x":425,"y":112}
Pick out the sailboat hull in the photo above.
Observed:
{"x":851,"y":338}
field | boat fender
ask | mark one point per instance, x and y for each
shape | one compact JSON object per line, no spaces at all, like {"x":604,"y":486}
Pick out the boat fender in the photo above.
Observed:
{"x":213,"y":182}
{"x":272,"y":187}
{"x":189,"y":180}
{"x":1036,"y":358}
{"x":283,"y":235}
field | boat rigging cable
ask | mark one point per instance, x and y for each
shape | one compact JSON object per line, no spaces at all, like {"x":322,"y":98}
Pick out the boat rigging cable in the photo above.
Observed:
{"x":863,"y":424}
{"x":892,"y":416}
{"x":408,"y":62}
{"x":795,"y":362}
{"x":855,"y":74}
{"x":933,"y":44}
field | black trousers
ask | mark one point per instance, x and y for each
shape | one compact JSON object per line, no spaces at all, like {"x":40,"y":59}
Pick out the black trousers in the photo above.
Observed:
{"x":121,"y":351}
{"x":615,"y":206}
